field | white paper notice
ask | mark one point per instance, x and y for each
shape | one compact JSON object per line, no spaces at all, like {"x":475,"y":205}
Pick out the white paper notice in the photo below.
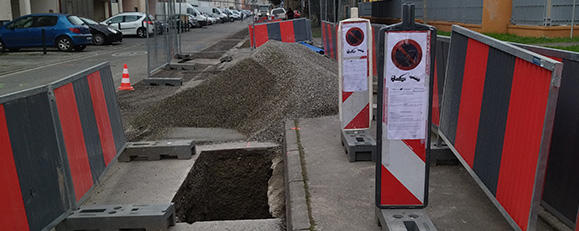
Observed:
{"x":354,"y":37}
{"x":355,"y":73}
{"x":406,"y":114}
{"x":406,"y":80}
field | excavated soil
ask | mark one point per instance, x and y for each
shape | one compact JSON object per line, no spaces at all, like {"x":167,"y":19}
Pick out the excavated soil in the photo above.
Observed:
{"x":279,"y":81}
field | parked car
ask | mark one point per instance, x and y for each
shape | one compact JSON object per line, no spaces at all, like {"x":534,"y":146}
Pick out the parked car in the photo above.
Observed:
{"x":237,"y":15}
{"x":193,"y":23}
{"x":65,"y":32}
{"x":229,"y":14}
{"x":278,"y":13}
{"x":210,"y":19}
{"x":199,"y":16}
{"x":102,"y":34}
{"x":221,"y":15}
{"x":132,"y":23}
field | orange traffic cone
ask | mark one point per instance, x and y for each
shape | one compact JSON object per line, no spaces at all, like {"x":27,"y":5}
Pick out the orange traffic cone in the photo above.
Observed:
{"x":125,"y":81}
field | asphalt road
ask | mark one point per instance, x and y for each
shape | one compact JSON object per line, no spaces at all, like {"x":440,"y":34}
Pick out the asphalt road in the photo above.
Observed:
{"x":29,"y":67}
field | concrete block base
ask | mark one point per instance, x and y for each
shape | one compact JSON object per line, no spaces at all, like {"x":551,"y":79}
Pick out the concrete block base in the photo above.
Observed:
{"x":359,"y":145}
{"x":163,"y":81}
{"x":120,"y":217}
{"x":156,"y":150}
{"x":404,"y":220}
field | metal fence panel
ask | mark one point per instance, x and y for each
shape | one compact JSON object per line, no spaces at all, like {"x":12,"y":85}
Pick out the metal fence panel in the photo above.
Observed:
{"x":464,"y":11}
{"x":528,"y":12}
{"x":162,"y":44}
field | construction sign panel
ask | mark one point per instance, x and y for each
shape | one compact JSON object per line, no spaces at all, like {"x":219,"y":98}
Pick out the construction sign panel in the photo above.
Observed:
{"x":407,"y":84}
{"x":354,"y":68}
{"x":404,"y":94}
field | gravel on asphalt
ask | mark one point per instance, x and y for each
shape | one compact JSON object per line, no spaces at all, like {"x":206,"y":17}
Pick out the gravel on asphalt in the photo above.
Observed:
{"x":278,"y":81}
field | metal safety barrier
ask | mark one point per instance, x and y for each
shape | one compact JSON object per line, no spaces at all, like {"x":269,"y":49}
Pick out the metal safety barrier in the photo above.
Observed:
{"x":57,"y":141}
{"x":295,"y":30}
{"x":497,"y":116}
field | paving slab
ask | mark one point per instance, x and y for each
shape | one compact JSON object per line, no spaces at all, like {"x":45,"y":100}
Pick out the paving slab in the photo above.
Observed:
{"x":235,"y":225}
{"x":342,"y":193}
{"x":151,"y":182}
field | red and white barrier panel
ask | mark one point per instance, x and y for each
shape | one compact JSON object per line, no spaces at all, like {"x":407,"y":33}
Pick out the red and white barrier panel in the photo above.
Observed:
{"x":290,"y":31}
{"x":405,"y":88}
{"x":497,"y":116}
{"x":354,"y":62}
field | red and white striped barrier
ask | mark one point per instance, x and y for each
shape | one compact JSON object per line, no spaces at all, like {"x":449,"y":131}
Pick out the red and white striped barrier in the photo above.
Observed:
{"x":354,"y":63}
{"x":405,"y":90}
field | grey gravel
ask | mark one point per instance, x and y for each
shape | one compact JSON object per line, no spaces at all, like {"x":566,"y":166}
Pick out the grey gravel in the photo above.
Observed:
{"x":278,"y":81}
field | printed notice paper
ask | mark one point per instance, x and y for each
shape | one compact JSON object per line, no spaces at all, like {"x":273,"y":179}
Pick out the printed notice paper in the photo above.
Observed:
{"x":406,"y":114}
{"x":406,"y":80}
{"x":355,"y":73}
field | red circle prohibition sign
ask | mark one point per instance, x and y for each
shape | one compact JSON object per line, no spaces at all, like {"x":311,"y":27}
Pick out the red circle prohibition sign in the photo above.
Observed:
{"x":406,"y":54}
{"x":354,"y":36}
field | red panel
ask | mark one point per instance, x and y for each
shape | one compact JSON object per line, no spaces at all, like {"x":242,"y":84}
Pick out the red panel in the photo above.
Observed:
{"x":251,"y":37}
{"x":260,"y":32}
{"x":326,"y":43}
{"x":374,"y":60}
{"x":577,"y":222}
{"x":13,"y":213}
{"x":330,"y":41}
{"x":418,"y":147}
{"x":470,"y":99}
{"x":361,"y":120}
{"x":524,"y":129}
{"x":392,"y":192}
{"x":335,"y":40}
{"x":73,"y":139}
{"x":287,"y":31}
{"x":102,"y":117}
{"x":435,"y":110}
{"x":345,"y":96}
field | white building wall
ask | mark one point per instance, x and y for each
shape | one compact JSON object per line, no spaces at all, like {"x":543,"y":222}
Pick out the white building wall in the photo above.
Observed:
{"x":44,"y":6}
{"x":5,"y":10}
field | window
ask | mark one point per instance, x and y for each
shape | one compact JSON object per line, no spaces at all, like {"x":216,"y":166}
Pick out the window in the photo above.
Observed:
{"x":131,"y":18}
{"x":116,"y":19}
{"x":278,"y":11}
{"x":90,"y":22}
{"x":25,"y":22}
{"x":75,"y":20}
{"x":42,"y":21}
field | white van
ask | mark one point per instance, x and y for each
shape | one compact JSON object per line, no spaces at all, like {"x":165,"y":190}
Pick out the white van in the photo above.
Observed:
{"x":162,"y":9}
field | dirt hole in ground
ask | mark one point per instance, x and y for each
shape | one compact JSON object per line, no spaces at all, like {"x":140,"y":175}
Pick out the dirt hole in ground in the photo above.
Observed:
{"x":226,"y":185}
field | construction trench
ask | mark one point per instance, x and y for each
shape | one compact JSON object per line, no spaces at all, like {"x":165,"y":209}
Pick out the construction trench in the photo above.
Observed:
{"x":240,"y":97}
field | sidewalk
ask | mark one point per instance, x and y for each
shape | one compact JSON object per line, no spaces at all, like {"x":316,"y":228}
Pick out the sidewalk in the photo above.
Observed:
{"x":340,"y":194}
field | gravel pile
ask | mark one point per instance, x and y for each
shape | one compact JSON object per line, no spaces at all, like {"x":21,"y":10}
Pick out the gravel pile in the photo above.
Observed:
{"x":279,"y":81}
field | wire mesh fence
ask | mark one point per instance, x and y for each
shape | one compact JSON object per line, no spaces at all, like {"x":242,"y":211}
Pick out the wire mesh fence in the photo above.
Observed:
{"x":163,"y":25}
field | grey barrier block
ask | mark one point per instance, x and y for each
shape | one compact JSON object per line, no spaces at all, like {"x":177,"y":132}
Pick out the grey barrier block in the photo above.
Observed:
{"x":163,"y":81}
{"x":182,"y":66}
{"x":120,"y":217}
{"x":440,"y":154}
{"x":359,"y":145}
{"x":155,"y":150}
{"x":404,"y":220}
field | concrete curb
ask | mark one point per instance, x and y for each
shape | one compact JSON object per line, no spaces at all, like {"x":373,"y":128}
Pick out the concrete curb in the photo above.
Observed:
{"x":297,"y":216}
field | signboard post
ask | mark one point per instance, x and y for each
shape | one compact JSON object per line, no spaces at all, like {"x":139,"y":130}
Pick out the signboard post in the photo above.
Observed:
{"x":405,"y":70}
{"x":354,"y":68}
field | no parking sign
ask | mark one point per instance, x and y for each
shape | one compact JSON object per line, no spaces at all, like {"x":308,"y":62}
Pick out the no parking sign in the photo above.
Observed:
{"x":354,"y":38}
{"x":405,"y":70}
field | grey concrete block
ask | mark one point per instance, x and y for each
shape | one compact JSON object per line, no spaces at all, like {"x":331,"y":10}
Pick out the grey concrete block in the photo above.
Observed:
{"x":359,"y":145}
{"x":119,"y":217}
{"x":155,"y":81}
{"x":294,"y":167}
{"x":298,"y":210}
{"x":182,"y":66}
{"x":404,"y":220}
{"x":273,"y":224}
{"x":155,"y":150}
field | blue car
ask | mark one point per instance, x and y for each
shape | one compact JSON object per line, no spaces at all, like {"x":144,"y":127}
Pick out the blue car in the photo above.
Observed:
{"x":65,"y":32}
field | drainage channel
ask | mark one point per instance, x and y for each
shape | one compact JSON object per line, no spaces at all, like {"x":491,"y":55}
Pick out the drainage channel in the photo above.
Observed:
{"x":227,"y":185}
